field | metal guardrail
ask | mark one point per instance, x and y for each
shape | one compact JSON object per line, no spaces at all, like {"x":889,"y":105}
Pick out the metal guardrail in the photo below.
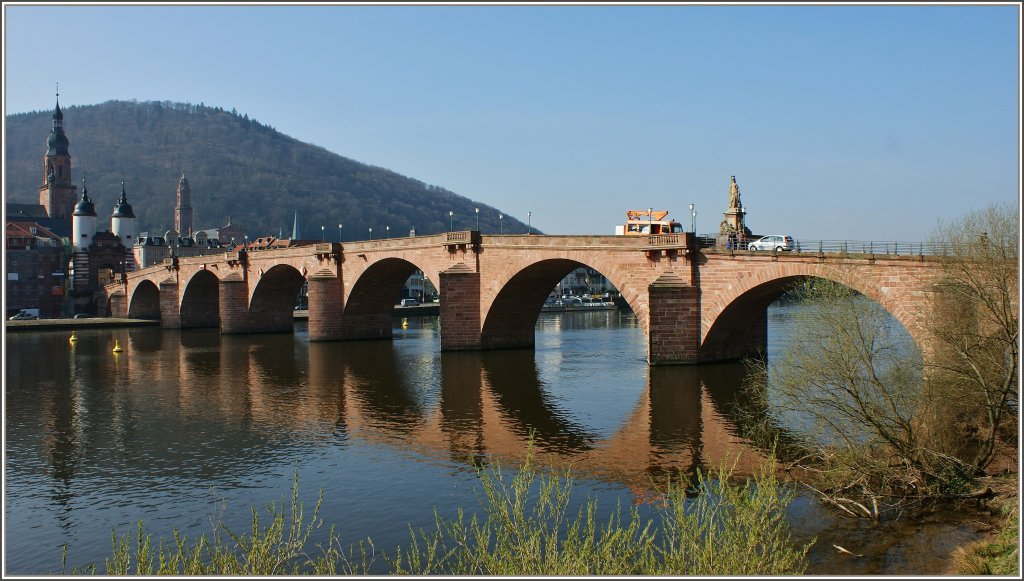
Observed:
{"x":869,"y":247}
{"x":892,"y":248}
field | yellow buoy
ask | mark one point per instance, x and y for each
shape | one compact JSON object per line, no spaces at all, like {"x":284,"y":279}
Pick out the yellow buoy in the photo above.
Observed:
{"x":73,"y":338}
{"x":117,"y":346}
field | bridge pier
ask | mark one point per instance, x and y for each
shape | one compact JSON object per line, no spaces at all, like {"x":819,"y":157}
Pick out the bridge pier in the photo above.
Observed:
{"x":118,"y":306}
{"x":233,"y":304}
{"x":326,"y":297}
{"x":170,"y":315}
{"x":460,"y":308}
{"x":673,"y":327}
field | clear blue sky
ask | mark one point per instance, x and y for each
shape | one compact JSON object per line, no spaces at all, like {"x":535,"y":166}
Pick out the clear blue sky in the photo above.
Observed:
{"x":839,"y":122}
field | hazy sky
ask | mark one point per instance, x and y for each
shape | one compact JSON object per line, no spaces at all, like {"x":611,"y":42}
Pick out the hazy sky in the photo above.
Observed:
{"x":838,"y":121}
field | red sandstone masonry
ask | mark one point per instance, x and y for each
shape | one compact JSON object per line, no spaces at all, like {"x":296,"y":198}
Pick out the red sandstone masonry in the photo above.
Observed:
{"x":170,"y":316}
{"x":234,"y":305}
{"x":674,"y":325}
{"x":325,"y":306}
{"x":460,"y":309}
{"x":730,"y":289}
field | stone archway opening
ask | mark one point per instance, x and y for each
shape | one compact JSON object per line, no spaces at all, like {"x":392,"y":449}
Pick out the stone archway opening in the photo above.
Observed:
{"x":200,"y":301}
{"x":272,"y":305}
{"x":370,"y":305}
{"x":145,"y":302}
{"x":512,"y":317}
{"x":743,"y":329}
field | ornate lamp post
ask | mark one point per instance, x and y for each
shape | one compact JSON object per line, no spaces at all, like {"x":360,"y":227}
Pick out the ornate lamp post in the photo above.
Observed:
{"x":529,"y":223}
{"x":371,"y":232}
{"x":451,"y":220}
{"x":339,"y":233}
{"x":501,"y":224}
{"x":478,"y":219}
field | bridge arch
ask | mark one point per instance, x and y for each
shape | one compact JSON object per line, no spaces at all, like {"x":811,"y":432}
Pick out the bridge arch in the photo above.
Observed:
{"x":200,"y":300}
{"x":370,"y":303}
{"x":735,"y":321}
{"x":144,"y":302}
{"x":272,"y":301}
{"x":511,"y":317}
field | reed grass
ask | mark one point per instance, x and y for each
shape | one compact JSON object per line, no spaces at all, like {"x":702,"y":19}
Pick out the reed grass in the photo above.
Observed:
{"x":1000,"y":556}
{"x":710,"y":525}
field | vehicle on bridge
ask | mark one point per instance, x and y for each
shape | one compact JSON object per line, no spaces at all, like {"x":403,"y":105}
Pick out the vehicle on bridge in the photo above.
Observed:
{"x":25,"y":315}
{"x":776,"y":242}
{"x":645,"y":222}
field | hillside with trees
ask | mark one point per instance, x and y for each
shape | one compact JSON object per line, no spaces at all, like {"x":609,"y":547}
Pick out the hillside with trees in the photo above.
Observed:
{"x":237,"y":167}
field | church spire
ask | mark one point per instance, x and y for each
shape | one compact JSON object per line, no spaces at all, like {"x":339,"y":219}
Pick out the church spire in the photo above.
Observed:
{"x":295,"y":227}
{"x":56,"y":192}
{"x":183,"y":207}
{"x":57,"y":144}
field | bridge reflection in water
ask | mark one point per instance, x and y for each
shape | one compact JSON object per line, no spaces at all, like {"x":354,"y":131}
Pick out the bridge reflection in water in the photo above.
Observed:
{"x":391,"y":429}
{"x":208,"y":390}
{"x":463,"y":406}
{"x":183,"y":420}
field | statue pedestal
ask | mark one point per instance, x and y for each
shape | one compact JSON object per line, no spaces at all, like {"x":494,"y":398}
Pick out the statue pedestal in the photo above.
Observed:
{"x":732,"y":232}
{"x":733,"y":219}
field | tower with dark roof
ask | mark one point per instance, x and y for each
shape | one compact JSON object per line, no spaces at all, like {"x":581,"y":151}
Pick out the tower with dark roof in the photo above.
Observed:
{"x":122,"y":221}
{"x":83,"y":222}
{"x":183,"y":207}
{"x":57,"y":193}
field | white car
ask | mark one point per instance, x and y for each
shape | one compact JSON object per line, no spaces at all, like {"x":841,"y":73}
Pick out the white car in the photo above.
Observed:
{"x":776,"y":242}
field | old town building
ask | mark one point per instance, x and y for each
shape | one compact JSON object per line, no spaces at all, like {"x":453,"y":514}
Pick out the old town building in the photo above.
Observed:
{"x":35,"y":269}
{"x":58,"y":256}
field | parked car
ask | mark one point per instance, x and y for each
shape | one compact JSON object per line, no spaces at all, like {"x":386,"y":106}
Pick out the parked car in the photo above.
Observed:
{"x":23,"y":317}
{"x":775,"y":242}
{"x":410,"y":303}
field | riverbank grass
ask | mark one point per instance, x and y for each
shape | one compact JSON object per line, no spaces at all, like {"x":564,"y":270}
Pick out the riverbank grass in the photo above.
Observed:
{"x":710,"y":525}
{"x":1002,"y":555}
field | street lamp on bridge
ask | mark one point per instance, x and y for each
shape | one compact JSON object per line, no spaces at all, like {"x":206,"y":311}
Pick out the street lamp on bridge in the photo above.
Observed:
{"x":529,"y":223}
{"x":451,"y":220}
{"x":478,"y":219}
{"x":371,"y":232}
{"x":501,"y":229}
{"x":387,"y":231}
{"x":323,"y":236}
{"x":339,"y":233}
{"x":693,"y":220}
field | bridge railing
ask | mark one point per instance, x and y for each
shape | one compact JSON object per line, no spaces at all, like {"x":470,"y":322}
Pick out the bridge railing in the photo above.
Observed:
{"x":666,"y":239}
{"x":876,"y":247}
{"x":870,"y":247}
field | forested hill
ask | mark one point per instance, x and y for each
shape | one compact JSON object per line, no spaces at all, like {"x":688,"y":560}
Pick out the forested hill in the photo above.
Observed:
{"x":236,"y":167}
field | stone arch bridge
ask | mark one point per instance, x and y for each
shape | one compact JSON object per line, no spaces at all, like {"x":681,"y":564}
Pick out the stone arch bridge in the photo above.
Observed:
{"x":694,"y":305}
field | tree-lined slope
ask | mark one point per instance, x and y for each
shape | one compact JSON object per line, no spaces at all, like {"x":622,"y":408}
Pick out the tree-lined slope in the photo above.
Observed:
{"x":237,"y":168}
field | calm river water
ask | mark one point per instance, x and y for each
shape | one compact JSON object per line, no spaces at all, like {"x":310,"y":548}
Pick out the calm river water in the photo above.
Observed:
{"x":185,"y":427}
